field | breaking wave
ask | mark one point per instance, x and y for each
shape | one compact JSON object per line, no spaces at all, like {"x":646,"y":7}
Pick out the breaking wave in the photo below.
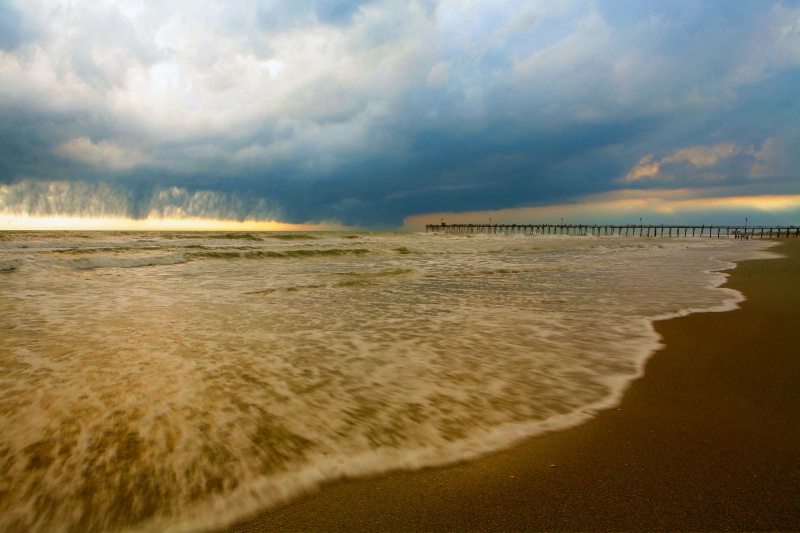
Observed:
{"x":89,"y":263}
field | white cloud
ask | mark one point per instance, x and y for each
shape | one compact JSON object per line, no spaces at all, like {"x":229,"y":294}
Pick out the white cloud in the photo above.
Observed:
{"x":180,"y":73}
{"x":273,"y":66}
{"x":168,"y":77}
{"x":703,"y":156}
{"x":646,"y":168}
{"x":773,"y":46}
{"x":103,"y":154}
{"x":169,"y":37}
{"x":697,"y":156}
{"x":572,"y":74}
{"x":587,"y":44}
{"x":438,"y":75}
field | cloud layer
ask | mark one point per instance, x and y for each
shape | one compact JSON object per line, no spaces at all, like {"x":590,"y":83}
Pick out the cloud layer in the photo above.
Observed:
{"x":367,"y":112}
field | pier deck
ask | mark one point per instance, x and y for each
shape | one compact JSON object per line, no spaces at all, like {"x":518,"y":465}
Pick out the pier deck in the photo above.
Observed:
{"x":638,"y":230}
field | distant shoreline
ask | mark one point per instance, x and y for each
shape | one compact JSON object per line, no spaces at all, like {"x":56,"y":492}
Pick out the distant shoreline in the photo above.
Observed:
{"x":707,"y":439}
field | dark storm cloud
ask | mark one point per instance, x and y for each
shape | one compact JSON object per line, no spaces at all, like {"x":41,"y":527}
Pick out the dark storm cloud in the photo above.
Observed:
{"x":368,"y":112}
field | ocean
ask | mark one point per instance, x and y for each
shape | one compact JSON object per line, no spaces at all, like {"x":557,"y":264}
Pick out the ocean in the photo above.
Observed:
{"x":180,"y":381}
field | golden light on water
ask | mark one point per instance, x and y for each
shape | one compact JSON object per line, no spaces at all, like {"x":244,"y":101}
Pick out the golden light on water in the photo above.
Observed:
{"x":23,"y":222}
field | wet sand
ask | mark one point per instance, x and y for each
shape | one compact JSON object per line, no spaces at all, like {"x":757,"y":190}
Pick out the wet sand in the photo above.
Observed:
{"x":708,"y":439}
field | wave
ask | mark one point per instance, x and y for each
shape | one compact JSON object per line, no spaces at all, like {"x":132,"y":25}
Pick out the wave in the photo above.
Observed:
{"x":217,"y":254}
{"x":293,"y":288}
{"x":346,"y":280}
{"x":363,"y":279}
{"x":113,"y":249}
{"x":261,"y":292}
{"x":269,"y":254}
{"x":306,"y":253}
{"x":236,"y":236}
{"x":291,"y":237}
{"x":386,"y":273}
{"x":490,"y":272}
{"x":324,"y":253}
{"x":351,"y":279}
{"x":89,"y":263}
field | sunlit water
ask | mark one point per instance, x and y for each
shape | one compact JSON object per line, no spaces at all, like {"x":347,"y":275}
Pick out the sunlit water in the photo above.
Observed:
{"x":179,"y":381}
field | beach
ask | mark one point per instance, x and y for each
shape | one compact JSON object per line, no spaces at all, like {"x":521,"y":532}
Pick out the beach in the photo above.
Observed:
{"x":708,"y":439}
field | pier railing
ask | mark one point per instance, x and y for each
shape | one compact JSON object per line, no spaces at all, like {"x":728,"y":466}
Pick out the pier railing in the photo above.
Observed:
{"x":640,"y":230}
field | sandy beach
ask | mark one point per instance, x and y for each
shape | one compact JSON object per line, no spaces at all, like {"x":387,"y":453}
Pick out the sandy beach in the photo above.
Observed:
{"x":708,"y":439}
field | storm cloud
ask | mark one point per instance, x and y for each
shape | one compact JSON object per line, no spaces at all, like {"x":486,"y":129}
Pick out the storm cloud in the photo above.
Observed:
{"x":369,"y":112}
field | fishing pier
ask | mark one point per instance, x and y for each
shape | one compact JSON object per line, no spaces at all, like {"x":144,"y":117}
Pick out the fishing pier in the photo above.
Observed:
{"x":636,"y":230}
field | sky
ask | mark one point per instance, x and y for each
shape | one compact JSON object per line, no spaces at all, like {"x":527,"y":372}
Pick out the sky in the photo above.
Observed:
{"x":387,"y":114}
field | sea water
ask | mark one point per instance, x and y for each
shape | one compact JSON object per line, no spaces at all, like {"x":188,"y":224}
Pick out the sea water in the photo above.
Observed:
{"x":179,"y":381}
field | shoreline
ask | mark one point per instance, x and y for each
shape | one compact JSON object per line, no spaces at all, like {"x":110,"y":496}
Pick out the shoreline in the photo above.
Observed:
{"x":708,"y":439}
